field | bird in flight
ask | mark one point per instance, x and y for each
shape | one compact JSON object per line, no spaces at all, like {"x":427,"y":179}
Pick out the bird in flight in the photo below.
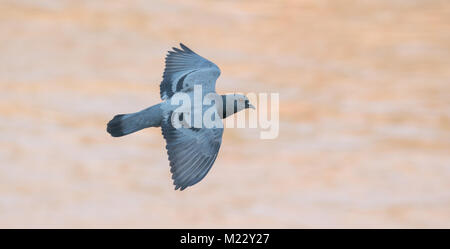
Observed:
{"x":192,"y":149}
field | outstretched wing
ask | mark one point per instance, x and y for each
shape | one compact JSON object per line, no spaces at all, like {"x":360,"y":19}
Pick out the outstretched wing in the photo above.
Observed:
{"x":184,"y":68}
{"x":192,"y":152}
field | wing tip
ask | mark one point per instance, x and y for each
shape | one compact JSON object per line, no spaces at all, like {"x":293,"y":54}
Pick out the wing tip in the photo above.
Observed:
{"x":186,"y":49}
{"x":181,"y":188}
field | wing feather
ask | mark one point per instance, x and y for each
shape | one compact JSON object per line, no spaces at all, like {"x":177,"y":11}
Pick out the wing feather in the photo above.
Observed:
{"x":180,"y":63}
{"x":191,"y":153}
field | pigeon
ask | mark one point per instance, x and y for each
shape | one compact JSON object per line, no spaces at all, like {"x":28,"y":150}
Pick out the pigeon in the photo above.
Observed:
{"x":191,"y":150}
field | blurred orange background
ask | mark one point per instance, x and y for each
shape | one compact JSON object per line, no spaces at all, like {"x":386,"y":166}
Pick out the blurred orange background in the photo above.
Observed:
{"x":364,"y":114}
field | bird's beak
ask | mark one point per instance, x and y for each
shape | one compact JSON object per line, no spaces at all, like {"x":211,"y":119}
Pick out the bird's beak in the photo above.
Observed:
{"x":251,"y":106}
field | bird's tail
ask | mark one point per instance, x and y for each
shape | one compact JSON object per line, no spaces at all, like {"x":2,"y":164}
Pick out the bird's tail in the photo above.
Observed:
{"x":124,"y":124}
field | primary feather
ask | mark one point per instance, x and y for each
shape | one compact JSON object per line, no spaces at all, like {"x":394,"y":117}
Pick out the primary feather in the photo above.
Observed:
{"x":183,"y":69}
{"x":191,"y":151}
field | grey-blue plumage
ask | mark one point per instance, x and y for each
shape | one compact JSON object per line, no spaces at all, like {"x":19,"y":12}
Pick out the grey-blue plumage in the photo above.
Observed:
{"x":184,"y":68}
{"x":124,"y":124}
{"x":192,"y":151}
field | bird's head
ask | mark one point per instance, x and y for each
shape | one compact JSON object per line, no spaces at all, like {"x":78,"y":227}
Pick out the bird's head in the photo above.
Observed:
{"x":233,"y":103}
{"x":242,"y":100}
